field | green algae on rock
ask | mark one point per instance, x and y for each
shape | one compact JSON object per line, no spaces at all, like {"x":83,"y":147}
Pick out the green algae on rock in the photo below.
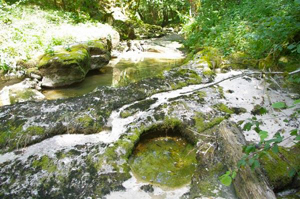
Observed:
{"x":166,"y":161}
{"x":223,"y":108}
{"x":204,"y":122}
{"x":278,"y":166}
{"x":64,"y":67}
{"x":69,"y":65}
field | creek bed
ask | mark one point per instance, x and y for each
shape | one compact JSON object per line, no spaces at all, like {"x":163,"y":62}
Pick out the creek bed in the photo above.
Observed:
{"x":121,"y":74}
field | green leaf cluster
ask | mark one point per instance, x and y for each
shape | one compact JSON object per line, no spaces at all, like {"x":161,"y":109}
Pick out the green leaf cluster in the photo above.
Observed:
{"x":254,"y":27}
{"x":254,"y":152}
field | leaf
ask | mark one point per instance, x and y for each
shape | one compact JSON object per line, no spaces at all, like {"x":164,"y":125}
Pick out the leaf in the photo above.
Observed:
{"x":263,"y":135}
{"x":291,"y":46}
{"x":256,"y":164}
{"x":294,"y":132}
{"x":247,"y":126}
{"x":257,"y":129}
{"x":262,"y":111}
{"x":292,"y":172}
{"x":275,"y":148}
{"x":267,"y":147}
{"x":251,"y":161}
{"x":298,"y":100}
{"x":278,"y":138}
{"x":298,"y":48}
{"x":297,"y":138}
{"x":226,"y":180}
{"x":279,"y":105}
{"x":249,"y":149}
{"x":286,"y":121}
{"x":233,"y":175}
{"x":241,"y":163}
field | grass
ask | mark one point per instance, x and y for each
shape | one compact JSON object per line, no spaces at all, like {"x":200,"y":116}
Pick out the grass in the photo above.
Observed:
{"x":27,"y":31}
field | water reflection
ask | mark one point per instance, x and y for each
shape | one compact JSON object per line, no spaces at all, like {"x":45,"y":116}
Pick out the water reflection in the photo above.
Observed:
{"x":124,"y":72}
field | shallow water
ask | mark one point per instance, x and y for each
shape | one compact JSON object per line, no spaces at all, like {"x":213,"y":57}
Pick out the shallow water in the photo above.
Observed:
{"x":120,"y":74}
{"x":166,"y":161}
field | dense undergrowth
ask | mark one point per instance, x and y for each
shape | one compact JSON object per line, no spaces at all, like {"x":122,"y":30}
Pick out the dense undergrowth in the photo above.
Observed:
{"x":257,"y":29}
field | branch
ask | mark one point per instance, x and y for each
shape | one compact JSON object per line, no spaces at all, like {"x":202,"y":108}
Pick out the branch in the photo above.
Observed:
{"x":242,"y":75}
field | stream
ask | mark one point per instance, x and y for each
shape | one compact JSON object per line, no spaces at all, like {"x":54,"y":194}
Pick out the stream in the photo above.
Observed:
{"x":68,"y":164}
{"x":115,"y":74}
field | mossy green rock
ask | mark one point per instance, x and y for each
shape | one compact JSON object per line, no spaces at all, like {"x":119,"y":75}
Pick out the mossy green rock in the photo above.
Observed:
{"x":64,"y":67}
{"x":71,"y":64}
{"x":277,"y":166}
{"x":99,"y":51}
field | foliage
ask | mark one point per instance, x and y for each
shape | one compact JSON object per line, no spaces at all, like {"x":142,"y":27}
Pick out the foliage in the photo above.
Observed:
{"x":4,"y":67}
{"x":253,"y":152}
{"x":27,"y":31}
{"x":81,"y":10}
{"x":254,"y":27}
{"x":162,"y":12}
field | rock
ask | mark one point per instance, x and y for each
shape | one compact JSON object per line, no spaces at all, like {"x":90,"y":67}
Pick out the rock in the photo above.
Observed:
{"x":64,"y":67}
{"x":35,"y":76}
{"x":99,"y":52}
{"x":277,"y":167}
{"x":21,"y":92}
{"x":207,"y":71}
{"x":248,"y":184}
{"x":147,"y":188}
{"x":85,"y":114}
{"x":67,"y":66}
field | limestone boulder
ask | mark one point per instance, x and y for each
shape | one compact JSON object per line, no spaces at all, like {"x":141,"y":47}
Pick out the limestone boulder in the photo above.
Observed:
{"x":66,"y":66}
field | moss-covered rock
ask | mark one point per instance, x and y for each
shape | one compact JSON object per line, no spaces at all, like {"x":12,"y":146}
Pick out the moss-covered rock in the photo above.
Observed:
{"x":68,"y":65}
{"x":64,"y":67}
{"x":239,"y":60}
{"x":139,"y":106}
{"x":204,"y":122}
{"x":278,"y":166}
{"x":20,"y":92}
{"x":125,"y":28}
{"x":99,"y":51}
{"x":210,"y":57}
{"x":223,"y":108}
{"x":85,"y":114}
{"x":45,"y":163}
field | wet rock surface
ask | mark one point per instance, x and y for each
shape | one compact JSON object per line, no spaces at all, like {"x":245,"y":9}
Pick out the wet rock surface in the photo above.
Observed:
{"x":97,"y":164}
{"x":30,"y":122}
